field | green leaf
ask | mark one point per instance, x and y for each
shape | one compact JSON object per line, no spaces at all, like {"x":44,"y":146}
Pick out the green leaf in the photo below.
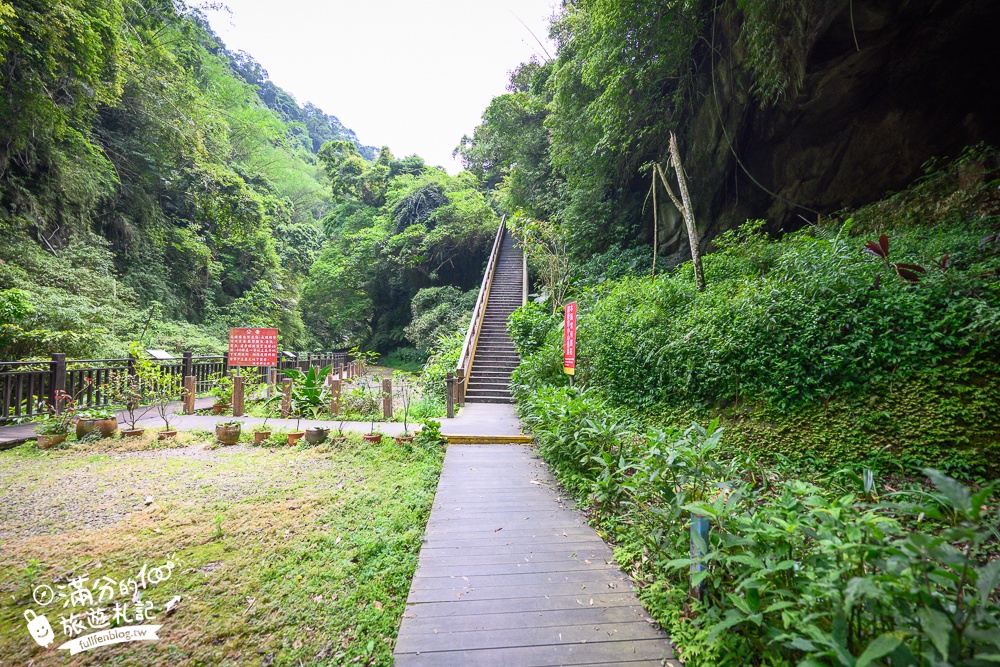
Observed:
{"x":801,"y":644}
{"x":938,"y":627}
{"x":778,"y":606}
{"x":956,"y":493}
{"x":732,"y":618}
{"x":881,"y":646}
{"x":988,"y":578}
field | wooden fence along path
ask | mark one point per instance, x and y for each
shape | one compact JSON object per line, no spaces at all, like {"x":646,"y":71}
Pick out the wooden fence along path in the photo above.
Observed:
{"x":24,"y":383}
{"x":509,"y":574}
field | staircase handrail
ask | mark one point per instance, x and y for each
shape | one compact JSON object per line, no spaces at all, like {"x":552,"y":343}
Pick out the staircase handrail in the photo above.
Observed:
{"x":479,"y":312}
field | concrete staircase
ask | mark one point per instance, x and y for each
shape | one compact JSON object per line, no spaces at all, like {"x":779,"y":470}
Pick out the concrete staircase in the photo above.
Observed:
{"x":496,"y":357}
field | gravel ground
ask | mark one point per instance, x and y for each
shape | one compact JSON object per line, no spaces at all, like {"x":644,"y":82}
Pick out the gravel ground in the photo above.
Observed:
{"x":66,"y":490}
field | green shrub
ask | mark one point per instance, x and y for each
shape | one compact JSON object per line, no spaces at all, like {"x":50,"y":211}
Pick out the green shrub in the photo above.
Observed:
{"x":438,"y":312}
{"x":407,"y":359}
{"x":529,"y":325}
{"x":795,"y":572}
{"x":443,"y":360}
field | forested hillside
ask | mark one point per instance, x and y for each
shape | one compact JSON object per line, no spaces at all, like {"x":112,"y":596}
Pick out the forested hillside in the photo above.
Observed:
{"x":793,"y":450}
{"x":783,"y":108}
{"x":156,"y":186}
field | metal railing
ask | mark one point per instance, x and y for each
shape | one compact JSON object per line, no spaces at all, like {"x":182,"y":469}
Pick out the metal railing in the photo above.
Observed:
{"x":464,"y":368}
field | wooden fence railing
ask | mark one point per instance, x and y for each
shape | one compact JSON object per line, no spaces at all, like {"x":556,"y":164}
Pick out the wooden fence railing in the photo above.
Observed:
{"x":464,"y":368}
{"x":23,"y":384}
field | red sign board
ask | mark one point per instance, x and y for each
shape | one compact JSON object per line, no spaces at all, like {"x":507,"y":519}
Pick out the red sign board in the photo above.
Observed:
{"x":569,"y":340}
{"x":253,"y":347}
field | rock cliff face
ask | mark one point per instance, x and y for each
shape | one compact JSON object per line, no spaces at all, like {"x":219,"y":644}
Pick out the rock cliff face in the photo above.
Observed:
{"x":883,"y":87}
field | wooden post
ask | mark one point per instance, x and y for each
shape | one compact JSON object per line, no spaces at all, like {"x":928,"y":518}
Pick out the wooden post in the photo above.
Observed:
{"x":272,"y":379}
{"x":387,"y":398}
{"x":58,"y":380}
{"x":187,"y":364}
{"x":460,"y":387}
{"x":335,"y":398}
{"x":238,"y":398}
{"x":225,"y":363}
{"x":286,"y":398}
{"x":188,"y":394}
{"x":449,"y":387}
{"x":340,"y":371}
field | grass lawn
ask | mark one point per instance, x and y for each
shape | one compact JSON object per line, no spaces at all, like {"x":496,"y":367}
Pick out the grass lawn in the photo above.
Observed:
{"x":283,"y":556}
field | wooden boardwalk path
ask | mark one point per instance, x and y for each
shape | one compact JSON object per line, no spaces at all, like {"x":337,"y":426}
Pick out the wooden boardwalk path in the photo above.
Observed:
{"x":509,"y":574}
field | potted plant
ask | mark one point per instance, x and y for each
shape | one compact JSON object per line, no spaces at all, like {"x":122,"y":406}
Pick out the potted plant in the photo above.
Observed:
{"x":373,"y":387}
{"x":165,"y":387}
{"x":55,"y":427}
{"x":309,"y":396}
{"x":294,"y":436}
{"x":228,"y":432}
{"x":405,"y":395}
{"x":262,"y":432}
{"x":222,"y":389}
{"x":376,"y":393}
{"x":101,"y":420}
{"x":315,"y":435}
{"x":340,"y":431}
{"x":129,"y":392}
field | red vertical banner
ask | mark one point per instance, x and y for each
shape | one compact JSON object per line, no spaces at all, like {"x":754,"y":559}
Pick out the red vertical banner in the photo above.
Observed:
{"x":253,"y":347}
{"x":569,"y":340}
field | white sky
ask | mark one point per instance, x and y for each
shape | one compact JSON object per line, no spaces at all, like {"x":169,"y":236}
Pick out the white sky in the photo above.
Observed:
{"x":413,"y":75}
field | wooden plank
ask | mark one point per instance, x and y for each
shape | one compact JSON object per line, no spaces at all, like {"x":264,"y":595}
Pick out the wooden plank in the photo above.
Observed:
{"x":419,"y":642}
{"x":591,"y":577}
{"x":606,"y":653}
{"x":457,"y":607}
{"x":511,"y":574}
{"x":463,"y":569}
{"x":417,"y":622}
{"x":585,"y":591}
{"x":566,"y":547}
{"x":510,"y":531}
{"x":513,"y":558}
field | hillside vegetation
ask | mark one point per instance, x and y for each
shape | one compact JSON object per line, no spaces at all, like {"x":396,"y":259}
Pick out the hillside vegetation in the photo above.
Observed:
{"x":833,"y":384}
{"x":155,"y":185}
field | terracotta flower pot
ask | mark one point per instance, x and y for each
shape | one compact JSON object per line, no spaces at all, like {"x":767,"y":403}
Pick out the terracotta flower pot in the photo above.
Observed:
{"x":315,"y":436}
{"x":372,"y":438}
{"x":133,"y":432}
{"x":294,"y":436}
{"x":219,"y":407}
{"x":260,"y":436}
{"x":163,"y":435}
{"x":106,"y":427}
{"x":49,"y":441}
{"x":227,"y":435}
{"x":401,"y":439}
{"x":339,"y":440}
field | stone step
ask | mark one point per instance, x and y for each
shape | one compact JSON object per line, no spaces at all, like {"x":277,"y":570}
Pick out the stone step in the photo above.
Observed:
{"x":488,"y":391}
{"x":488,"y":399}
{"x":489,"y":376}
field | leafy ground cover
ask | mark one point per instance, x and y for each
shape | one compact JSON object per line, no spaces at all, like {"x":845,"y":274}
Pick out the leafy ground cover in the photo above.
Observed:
{"x":284,"y":556}
{"x":809,"y":346}
{"x":846,"y":567}
{"x":846,"y":375}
